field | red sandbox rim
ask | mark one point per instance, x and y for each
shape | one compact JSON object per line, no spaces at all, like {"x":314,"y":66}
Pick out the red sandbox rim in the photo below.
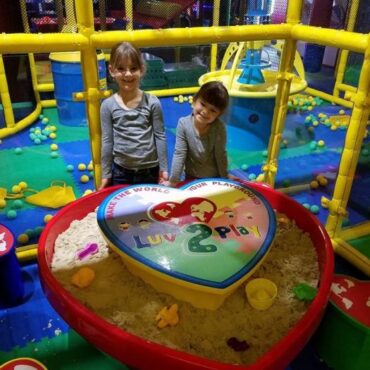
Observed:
{"x":144,"y":354}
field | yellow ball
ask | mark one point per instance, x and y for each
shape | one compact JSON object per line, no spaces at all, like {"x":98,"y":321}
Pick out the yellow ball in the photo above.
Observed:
{"x":16,"y":189}
{"x":314,"y":184}
{"x":90,"y":166}
{"x":341,"y":111}
{"x":88,"y":191}
{"x":333,"y":127}
{"x":82,"y":166}
{"x":315,"y":123}
{"x":323,"y":181}
{"x":47,"y":218}
{"x":23,"y":185}
{"x":84,"y":179}
{"x":52,"y":128}
{"x":2,"y":203}
{"x":321,"y":143}
{"x":54,"y":147}
{"x":53,"y":135}
{"x":23,"y":238}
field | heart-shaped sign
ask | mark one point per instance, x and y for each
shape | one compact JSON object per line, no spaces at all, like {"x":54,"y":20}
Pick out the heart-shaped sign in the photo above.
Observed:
{"x":210,"y":234}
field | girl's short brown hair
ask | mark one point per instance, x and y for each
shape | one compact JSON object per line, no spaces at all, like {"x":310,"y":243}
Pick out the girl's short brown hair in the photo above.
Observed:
{"x":215,"y":93}
{"x":125,"y":50}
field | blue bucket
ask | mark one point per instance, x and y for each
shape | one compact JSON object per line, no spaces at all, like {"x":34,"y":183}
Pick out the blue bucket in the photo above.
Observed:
{"x":67,"y":76}
{"x":11,"y":286}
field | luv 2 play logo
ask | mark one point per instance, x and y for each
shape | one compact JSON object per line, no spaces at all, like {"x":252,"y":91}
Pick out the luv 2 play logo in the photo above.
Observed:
{"x":189,"y":211}
{"x":210,"y":231}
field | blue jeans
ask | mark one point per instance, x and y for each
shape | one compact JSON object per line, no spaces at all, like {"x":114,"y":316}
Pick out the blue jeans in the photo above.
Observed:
{"x":121,"y":175}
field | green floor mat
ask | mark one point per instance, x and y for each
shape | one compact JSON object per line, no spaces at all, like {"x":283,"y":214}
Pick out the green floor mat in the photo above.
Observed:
{"x":65,"y":352}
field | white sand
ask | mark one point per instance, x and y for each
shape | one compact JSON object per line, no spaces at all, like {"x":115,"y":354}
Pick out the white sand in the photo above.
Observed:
{"x":131,"y":304}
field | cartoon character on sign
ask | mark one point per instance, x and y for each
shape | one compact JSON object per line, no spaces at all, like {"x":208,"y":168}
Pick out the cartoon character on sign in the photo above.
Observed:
{"x":189,"y":211}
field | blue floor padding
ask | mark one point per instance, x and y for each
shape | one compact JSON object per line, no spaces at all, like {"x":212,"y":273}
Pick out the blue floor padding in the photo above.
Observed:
{"x":32,"y":320}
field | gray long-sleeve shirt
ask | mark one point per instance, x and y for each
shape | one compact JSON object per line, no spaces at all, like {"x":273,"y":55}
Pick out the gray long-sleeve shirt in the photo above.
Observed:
{"x":202,"y":156}
{"x":132,"y":138}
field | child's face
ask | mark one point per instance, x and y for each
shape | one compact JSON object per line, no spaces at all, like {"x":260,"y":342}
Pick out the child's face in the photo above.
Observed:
{"x":205,"y":113}
{"x":126,"y":74}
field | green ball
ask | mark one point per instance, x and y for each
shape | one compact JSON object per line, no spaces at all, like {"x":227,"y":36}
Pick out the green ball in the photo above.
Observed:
{"x":18,"y":150}
{"x":11,"y":214}
{"x":315,"y":209}
{"x":54,"y":154}
{"x":17,"y":204}
{"x":70,"y":168}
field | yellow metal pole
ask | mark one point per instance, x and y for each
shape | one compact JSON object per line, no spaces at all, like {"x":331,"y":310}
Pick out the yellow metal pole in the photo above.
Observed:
{"x":190,"y":36}
{"x":5,"y":97}
{"x":352,"y":147}
{"x":70,"y":16}
{"x":89,"y":66}
{"x":129,"y":15}
{"x":215,"y":23}
{"x":17,"y":43}
{"x":328,"y":97}
{"x":330,"y":37}
{"x":343,"y":56}
{"x":352,"y":255}
{"x":284,"y":78}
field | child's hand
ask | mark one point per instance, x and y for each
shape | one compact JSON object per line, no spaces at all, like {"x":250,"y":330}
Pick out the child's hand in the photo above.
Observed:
{"x":104,"y":183}
{"x":232,"y":177}
{"x":163,"y":177}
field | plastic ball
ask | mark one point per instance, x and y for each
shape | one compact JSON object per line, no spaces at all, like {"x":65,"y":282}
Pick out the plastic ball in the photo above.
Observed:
{"x":84,"y":179}
{"x":323,"y":181}
{"x":87,"y":191}
{"x":90,"y":166}
{"x":52,"y":128}
{"x":16,"y":189}
{"x":23,"y":238}
{"x":30,"y":233}
{"x":2,"y":203}
{"x":54,"y":147}
{"x":321,"y":143}
{"x":314,"y":209}
{"x":37,"y":141}
{"x":47,"y":218}
{"x":54,"y":154}
{"x":341,"y":111}
{"x":12,"y":214}
{"x":365,"y":152}
{"x":18,"y":150}
{"x":314,"y":184}
{"x":252,"y":176}
{"x":45,"y":120}
{"x":244,"y":167}
{"x":175,"y":98}
{"x":41,"y":116}
{"x":70,"y":167}
{"x":53,"y":135}
{"x":23,"y":185}
{"x":17,"y":204}
{"x":82,"y":166}
{"x":306,"y":205}
{"x":313,"y":145}
{"x":38,"y":230}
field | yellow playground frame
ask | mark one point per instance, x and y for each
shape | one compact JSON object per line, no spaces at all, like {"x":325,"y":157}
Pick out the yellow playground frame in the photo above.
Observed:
{"x":87,"y":41}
